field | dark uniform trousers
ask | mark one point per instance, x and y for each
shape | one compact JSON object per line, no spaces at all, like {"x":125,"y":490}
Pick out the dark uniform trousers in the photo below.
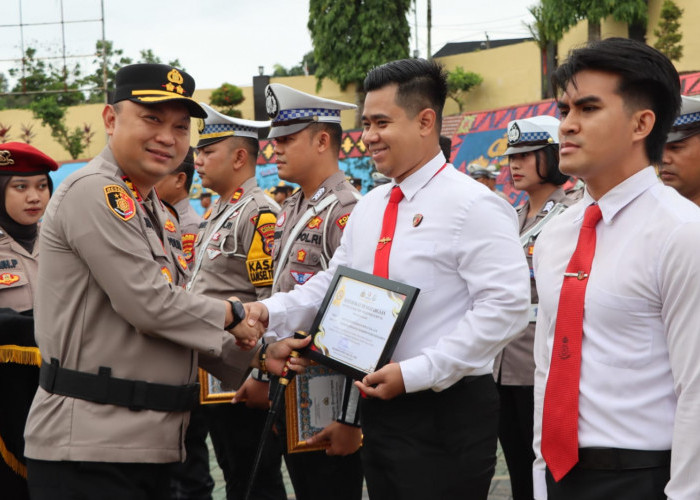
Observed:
{"x":92,"y":480}
{"x":414,"y":438}
{"x":515,"y":431}
{"x":236,"y":430}
{"x":608,"y":474}
{"x":191,"y":479}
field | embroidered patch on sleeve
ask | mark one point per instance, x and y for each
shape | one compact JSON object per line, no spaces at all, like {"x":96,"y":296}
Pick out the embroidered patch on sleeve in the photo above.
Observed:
{"x":188,"y":241}
{"x":166,"y":274}
{"x":300,"y":277}
{"x":259,"y":260}
{"x":119,"y":202}
{"x":342,"y":220}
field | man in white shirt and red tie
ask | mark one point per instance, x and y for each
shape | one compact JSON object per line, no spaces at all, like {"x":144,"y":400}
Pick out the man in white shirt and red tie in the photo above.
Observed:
{"x":430,"y":417}
{"x":617,"y":381}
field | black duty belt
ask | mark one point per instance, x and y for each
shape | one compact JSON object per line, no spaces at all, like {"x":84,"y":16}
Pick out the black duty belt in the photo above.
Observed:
{"x":104,"y":389}
{"x":622,"y":459}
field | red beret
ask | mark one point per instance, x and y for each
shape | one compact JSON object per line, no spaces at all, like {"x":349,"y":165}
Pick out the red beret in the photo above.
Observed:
{"x":18,"y":158}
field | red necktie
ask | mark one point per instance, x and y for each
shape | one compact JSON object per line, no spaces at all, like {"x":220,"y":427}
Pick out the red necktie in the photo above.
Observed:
{"x":560,"y":413}
{"x":381,"y":255}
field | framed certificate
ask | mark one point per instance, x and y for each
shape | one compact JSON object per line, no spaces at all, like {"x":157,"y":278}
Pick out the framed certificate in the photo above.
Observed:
{"x":360,"y":321}
{"x":211,"y":391}
{"x":313,"y":399}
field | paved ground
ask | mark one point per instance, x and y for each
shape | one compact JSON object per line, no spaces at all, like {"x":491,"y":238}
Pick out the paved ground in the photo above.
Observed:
{"x":500,"y":486}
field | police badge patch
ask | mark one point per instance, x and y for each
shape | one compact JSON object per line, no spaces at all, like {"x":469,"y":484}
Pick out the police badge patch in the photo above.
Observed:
{"x":271,"y":104}
{"x":119,"y":202}
{"x":300,"y":276}
{"x":513,"y":133}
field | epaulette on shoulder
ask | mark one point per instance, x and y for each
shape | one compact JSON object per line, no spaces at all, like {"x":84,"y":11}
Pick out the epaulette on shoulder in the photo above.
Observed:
{"x":348,"y":196}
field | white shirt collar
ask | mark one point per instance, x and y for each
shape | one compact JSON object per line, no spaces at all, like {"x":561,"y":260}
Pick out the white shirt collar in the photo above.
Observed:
{"x":418,"y":179}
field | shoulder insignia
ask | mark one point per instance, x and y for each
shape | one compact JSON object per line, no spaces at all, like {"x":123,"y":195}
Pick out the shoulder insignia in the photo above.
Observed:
{"x":169,"y":226}
{"x":267,"y":232}
{"x":188,"y":241}
{"x":300,"y":276}
{"x":548,"y":206}
{"x":216,"y":236}
{"x":281,"y":219}
{"x":166,"y":274}
{"x":314,"y":223}
{"x":132,"y":188}
{"x":207,"y":214}
{"x":236,"y":195}
{"x":301,"y":256}
{"x":342,"y":220}
{"x":417,"y":219}
{"x":183,"y":263}
{"x":119,"y":202}
{"x":317,"y":195}
{"x":7,"y":279}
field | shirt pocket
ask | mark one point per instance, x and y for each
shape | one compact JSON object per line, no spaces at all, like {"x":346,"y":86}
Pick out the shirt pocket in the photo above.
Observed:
{"x":414,"y":264}
{"x":624,"y":329}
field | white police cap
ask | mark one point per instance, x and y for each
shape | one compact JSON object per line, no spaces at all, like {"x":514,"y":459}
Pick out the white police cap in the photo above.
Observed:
{"x":688,"y":122}
{"x":292,"y":110}
{"x":531,"y":134}
{"x":218,"y":126}
{"x":476,"y":171}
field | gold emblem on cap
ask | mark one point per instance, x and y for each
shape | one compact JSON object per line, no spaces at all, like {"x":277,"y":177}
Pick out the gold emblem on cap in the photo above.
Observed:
{"x":174,"y":77}
{"x":6,"y":158}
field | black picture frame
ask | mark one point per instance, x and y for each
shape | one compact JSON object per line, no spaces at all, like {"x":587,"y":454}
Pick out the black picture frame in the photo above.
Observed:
{"x":374,"y":284}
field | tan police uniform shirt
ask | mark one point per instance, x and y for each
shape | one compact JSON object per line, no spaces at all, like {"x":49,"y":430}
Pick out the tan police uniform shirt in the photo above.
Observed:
{"x":515,"y":364}
{"x":189,"y":227}
{"x":18,"y":269}
{"x":315,"y":244}
{"x":234,"y":247}
{"x":110,"y":293}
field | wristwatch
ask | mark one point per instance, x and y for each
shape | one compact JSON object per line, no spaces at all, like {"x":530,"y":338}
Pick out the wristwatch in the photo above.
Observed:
{"x":238,"y":313}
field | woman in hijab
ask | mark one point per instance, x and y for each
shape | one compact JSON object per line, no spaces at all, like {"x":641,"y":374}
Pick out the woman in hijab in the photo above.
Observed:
{"x":25,"y":188}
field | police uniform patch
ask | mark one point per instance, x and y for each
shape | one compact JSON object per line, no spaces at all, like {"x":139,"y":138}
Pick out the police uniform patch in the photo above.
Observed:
{"x":183,"y":263}
{"x":132,"y":188}
{"x":301,"y":256}
{"x":188,"y":241}
{"x":300,"y":276}
{"x":7,"y":279}
{"x":317,"y":195}
{"x":213,"y":253}
{"x":417,"y":219}
{"x":314,"y":223}
{"x":169,"y":226}
{"x":216,"y":237}
{"x":281,"y":219}
{"x":207,"y":213}
{"x":166,"y":274}
{"x":259,"y":260}
{"x":548,"y":206}
{"x":342,"y":220}
{"x":119,"y":202}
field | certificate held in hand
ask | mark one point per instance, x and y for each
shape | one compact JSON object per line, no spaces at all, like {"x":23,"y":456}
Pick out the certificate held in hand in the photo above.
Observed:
{"x":360,"y":321}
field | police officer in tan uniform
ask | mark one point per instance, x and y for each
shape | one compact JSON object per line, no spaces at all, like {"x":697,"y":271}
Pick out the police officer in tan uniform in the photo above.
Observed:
{"x":174,"y":190}
{"x":307,"y":135}
{"x":234,"y":257}
{"x":25,"y":188}
{"x":680,"y":165}
{"x":119,"y":335}
{"x":533,"y":156}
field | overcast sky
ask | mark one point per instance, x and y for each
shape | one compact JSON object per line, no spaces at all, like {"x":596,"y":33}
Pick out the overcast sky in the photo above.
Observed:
{"x":221,"y":41}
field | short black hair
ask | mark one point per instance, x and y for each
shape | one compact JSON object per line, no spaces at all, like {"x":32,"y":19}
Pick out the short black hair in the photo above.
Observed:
{"x":547,"y":165}
{"x":187,"y":166}
{"x":421,"y":84}
{"x":250,"y":144}
{"x":446,"y":146}
{"x":334,"y":130}
{"x":648,"y":80}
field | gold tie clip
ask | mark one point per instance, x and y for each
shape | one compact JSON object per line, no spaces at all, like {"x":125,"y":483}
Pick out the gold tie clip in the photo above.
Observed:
{"x":579,"y":275}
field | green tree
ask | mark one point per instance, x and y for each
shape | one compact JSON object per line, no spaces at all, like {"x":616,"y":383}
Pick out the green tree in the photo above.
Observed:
{"x":109,"y":60}
{"x":227,"y":97}
{"x":350,"y":38}
{"x":307,"y":66}
{"x":668,"y":32}
{"x":147,"y":56}
{"x":53,"y":115}
{"x":632,"y":12}
{"x":459,"y":83}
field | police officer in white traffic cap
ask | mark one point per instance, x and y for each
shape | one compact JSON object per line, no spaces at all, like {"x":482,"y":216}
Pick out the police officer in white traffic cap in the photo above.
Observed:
{"x":680,"y":165}
{"x":307,"y":137}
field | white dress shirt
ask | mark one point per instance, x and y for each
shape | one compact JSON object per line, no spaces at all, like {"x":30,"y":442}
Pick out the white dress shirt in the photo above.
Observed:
{"x":640,"y":374}
{"x":465,"y":257}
